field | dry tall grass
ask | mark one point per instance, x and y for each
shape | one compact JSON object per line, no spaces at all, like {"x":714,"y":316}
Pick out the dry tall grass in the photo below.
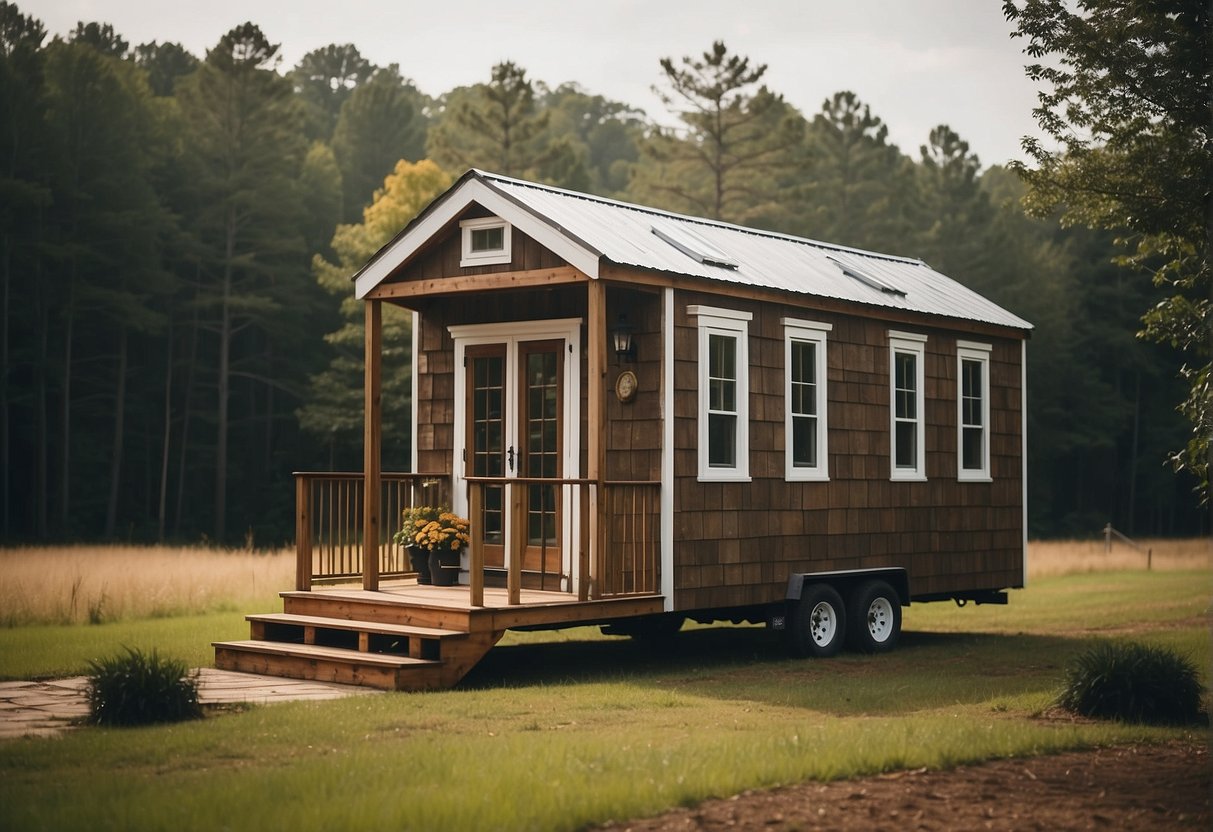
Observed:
{"x":1067,"y":557}
{"x":78,"y":584}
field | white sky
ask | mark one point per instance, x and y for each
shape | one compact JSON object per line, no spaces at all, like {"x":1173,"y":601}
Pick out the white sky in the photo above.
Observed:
{"x":917,"y":63}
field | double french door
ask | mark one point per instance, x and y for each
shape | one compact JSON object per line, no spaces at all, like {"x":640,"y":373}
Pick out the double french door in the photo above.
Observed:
{"x":513,"y":422}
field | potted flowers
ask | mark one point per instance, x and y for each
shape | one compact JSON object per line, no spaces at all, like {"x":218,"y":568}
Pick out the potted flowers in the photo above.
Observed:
{"x":438,"y":535}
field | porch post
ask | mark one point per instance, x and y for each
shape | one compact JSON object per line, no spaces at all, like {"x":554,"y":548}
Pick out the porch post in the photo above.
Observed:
{"x":372,"y":433}
{"x":595,"y":403}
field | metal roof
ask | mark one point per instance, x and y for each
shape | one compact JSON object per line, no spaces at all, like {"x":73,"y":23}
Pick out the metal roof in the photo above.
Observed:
{"x":647,"y":238}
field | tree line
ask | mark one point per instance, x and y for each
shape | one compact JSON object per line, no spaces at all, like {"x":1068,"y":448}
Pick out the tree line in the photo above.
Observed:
{"x":177,"y":233}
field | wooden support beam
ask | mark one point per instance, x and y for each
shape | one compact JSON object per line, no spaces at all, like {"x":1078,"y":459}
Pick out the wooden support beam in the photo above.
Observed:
{"x":477,"y":283}
{"x":476,"y":545}
{"x":303,"y":533}
{"x":516,"y":545}
{"x":372,"y":435}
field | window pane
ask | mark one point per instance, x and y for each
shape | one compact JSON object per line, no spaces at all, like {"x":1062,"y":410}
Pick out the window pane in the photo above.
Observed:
{"x":905,"y":451}
{"x":971,"y":449}
{"x":722,"y":440}
{"x":488,"y":239}
{"x":804,"y":442}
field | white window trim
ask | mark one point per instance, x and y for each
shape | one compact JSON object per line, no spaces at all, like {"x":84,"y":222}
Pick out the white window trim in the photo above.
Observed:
{"x":915,"y":344}
{"x":814,"y":333}
{"x":485,"y":258}
{"x":736,"y":324}
{"x":972,"y":351}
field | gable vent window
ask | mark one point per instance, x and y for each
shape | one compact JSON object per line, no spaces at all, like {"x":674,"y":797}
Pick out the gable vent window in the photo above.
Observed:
{"x":694,"y":246}
{"x":486,"y":241}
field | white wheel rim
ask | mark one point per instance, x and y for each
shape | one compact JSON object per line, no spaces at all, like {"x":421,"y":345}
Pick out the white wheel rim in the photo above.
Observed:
{"x":823,"y":624}
{"x":880,"y":620}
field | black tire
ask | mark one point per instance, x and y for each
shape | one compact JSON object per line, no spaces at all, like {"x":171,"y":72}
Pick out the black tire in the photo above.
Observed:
{"x":874,"y":613}
{"x":819,"y":622}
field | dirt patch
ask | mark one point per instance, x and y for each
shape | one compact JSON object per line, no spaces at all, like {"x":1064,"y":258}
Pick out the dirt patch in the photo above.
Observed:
{"x":1160,"y":787}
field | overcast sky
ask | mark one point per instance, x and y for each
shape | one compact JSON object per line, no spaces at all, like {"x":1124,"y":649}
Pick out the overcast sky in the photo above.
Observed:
{"x":917,"y":63}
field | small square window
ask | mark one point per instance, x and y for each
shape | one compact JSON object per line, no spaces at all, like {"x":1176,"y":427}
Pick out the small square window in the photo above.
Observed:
{"x":486,"y":241}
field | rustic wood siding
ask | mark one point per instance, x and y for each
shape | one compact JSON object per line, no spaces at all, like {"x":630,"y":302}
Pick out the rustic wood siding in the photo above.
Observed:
{"x":736,"y":543}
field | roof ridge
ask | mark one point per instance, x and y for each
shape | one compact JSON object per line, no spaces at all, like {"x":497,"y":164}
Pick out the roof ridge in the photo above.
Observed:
{"x":658,"y":212}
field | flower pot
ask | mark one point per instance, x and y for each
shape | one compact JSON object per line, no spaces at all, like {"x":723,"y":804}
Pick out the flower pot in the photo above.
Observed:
{"x":420,"y":559}
{"x":444,"y":567}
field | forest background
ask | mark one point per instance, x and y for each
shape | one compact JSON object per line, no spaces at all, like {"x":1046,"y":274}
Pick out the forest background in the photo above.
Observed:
{"x":177,"y":233}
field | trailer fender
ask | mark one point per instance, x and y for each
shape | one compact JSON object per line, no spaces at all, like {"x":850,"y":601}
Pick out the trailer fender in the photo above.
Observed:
{"x":844,"y":580}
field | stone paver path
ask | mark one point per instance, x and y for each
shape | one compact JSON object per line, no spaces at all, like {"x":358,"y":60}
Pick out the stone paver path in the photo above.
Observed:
{"x":48,"y":708}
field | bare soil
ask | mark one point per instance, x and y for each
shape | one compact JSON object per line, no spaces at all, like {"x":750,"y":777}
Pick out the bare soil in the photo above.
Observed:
{"x":1158,"y":787}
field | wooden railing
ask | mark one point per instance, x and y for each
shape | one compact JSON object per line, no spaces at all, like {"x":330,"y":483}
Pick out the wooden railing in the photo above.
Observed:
{"x":615,"y":545}
{"x":329,"y":522}
{"x":615,"y":548}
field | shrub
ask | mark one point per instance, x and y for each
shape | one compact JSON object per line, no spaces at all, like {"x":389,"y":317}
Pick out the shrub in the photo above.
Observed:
{"x":1133,"y":683}
{"x":141,"y":688}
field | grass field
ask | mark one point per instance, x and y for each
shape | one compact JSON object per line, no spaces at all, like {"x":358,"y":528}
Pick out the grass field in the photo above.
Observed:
{"x":560,"y":730}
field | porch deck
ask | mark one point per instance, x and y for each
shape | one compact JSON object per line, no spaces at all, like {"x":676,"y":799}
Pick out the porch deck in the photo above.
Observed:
{"x":403,"y":636}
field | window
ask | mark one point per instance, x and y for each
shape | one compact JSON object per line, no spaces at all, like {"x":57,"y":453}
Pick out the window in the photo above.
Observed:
{"x":485,"y":241}
{"x":724,"y":393}
{"x":973,"y":410}
{"x":805,"y":427}
{"x":907,"y":352}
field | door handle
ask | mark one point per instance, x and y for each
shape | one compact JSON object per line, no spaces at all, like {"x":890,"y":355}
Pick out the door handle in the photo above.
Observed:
{"x":510,"y":456}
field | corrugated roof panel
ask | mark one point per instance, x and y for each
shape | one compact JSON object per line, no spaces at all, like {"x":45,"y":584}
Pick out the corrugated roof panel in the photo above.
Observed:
{"x":624,"y":235}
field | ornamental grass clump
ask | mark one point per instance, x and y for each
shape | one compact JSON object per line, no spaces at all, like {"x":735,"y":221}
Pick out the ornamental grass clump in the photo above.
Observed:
{"x":140,"y":689}
{"x":1132,"y":683}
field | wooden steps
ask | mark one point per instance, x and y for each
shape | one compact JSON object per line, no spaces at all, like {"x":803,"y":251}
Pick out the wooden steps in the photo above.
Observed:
{"x":328,"y":664}
{"x":403,"y":637}
{"x":376,"y":643}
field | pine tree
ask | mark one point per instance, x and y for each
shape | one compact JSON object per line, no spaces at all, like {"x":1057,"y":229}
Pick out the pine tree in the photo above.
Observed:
{"x":246,"y":134}
{"x":380,"y":124}
{"x":736,"y":139}
{"x":497,"y":126}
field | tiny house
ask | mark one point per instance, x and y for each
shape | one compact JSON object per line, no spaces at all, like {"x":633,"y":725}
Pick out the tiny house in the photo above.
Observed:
{"x":649,"y":417}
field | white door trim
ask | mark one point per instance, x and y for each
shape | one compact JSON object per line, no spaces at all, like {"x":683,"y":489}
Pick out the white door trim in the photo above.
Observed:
{"x":512,"y":334}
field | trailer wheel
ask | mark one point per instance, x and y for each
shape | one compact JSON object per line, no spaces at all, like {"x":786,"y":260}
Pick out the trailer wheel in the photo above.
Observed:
{"x":874,"y":612}
{"x":818,"y":622}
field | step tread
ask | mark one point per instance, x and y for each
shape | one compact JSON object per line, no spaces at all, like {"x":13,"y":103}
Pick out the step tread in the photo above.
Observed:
{"x":353,"y":624}
{"x":314,"y":651}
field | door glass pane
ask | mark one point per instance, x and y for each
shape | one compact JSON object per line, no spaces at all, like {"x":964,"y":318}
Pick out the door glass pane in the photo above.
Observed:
{"x":541,"y":391}
{"x":488,"y":438}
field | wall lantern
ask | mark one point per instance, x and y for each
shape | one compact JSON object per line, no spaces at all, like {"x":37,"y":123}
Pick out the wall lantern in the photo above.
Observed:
{"x":621,"y":337}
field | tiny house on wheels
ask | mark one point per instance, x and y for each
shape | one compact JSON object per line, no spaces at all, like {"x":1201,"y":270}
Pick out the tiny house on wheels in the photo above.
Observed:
{"x":648,"y":417}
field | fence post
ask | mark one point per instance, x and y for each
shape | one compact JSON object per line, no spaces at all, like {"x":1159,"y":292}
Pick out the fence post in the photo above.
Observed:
{"x":1107,"y":538}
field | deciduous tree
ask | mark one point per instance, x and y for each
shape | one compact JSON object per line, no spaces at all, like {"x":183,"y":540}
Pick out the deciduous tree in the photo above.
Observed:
{"x":1124,"y":105}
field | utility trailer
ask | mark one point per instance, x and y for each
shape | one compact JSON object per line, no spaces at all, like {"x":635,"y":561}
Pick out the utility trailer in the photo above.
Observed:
{"x":649,"y":417}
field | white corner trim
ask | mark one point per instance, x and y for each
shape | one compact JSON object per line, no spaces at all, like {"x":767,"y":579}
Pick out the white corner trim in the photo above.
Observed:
{"x":1023,"y":446}
{"x":667,"y":449}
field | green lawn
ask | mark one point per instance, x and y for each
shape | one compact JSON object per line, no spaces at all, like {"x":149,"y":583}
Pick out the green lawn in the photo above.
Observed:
{"x":559,"y":730}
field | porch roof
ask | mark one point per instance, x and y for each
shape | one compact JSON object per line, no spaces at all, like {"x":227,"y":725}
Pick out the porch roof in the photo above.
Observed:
{"x":588,"y":230}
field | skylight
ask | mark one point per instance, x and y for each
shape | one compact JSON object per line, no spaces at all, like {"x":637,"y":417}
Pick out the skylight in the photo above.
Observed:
{"x":864,"y":277}
{"x":694,"y":246}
